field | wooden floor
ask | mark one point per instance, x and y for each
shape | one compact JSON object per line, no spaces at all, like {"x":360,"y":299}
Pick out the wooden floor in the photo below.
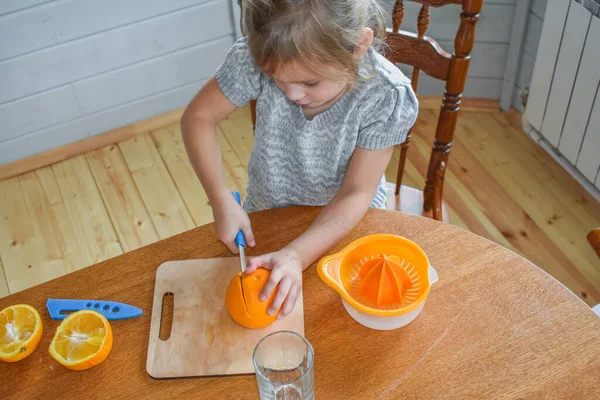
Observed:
{"x":78,"y":212}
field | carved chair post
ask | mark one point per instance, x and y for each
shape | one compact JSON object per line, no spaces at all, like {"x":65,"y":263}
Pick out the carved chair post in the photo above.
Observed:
{"x":422,"y":25}
{"x":397,"y":15}
{"x":455,"y":85}
{"x":594,"y":238}
{"x":252,"y":102}
{"x":439,"y":190}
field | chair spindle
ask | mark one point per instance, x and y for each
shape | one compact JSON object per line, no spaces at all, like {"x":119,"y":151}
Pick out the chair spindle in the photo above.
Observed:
{"x":459,"y":66}
{"x":397,"y":15}
{"x":422,"y":25}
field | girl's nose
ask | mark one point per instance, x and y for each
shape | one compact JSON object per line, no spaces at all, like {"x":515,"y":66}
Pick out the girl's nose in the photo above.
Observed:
{"x":294,"y":93}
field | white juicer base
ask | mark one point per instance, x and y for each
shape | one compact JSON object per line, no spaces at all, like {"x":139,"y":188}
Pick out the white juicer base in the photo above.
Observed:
{"x":388,"y":323}
{"x":382,"y":323}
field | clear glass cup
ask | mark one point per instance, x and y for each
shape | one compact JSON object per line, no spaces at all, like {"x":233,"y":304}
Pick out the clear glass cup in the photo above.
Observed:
{"x":283,"y":362}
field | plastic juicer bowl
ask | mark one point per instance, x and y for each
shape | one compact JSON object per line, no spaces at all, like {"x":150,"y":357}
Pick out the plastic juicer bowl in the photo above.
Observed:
{"x":383,"y":280}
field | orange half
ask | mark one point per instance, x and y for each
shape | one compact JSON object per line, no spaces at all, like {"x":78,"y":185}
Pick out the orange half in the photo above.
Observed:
{"x":20,"y":332}
{"x":82,"y":340}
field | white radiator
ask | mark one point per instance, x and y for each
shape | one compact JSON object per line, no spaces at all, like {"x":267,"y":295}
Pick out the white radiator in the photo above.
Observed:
{"x":563,"y":107}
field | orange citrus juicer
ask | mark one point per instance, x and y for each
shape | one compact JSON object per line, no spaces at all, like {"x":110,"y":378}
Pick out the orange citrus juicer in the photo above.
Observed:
{"x":383,"y":279}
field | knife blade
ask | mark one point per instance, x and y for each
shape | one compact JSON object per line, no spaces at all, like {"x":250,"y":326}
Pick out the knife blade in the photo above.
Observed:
{"x":240,"y":239}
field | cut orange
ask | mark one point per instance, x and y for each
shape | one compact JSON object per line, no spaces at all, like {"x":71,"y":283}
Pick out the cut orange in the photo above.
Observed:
{"x":243,"y":301}
{"x":20,"y":332}
{"x":82,"y":340}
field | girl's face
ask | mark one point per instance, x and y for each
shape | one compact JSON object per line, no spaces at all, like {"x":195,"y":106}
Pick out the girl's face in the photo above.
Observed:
{"x":307,"y":88}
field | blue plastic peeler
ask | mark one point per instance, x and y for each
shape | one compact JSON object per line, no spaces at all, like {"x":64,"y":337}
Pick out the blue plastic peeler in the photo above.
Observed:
{"x":61,"y":308}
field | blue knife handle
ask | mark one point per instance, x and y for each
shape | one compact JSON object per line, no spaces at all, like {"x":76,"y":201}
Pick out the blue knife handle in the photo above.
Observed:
{"x":60,"y":308}
{"x":240,"y":239}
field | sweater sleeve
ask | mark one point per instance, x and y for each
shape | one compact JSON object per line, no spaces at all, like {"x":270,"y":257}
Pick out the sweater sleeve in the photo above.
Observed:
{"x":388,"y":121}
{"x":238,"y":76}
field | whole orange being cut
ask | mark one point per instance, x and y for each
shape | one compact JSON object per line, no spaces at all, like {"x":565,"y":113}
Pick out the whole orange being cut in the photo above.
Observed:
{"x":82,"y":340}
{"x":243,"y":301}
{"x":20,"y":332}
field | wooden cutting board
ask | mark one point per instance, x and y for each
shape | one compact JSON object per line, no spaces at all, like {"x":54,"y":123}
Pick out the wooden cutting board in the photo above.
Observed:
{"x":204,"y":340}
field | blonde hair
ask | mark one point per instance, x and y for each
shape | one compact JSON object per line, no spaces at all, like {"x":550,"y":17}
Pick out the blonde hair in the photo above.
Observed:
{"x":313,"y":33}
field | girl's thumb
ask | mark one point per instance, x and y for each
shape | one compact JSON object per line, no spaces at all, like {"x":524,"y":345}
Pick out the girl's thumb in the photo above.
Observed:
{"x":255,"y":263}
{"x":250,"y":241}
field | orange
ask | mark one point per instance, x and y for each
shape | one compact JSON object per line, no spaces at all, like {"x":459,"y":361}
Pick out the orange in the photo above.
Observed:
{"x":243,"y":301}
{"x":82,"y":340}
{"x":20,"y":332}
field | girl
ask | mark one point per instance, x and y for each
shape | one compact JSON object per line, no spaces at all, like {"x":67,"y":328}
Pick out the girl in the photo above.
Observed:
{"x":329,"y":111}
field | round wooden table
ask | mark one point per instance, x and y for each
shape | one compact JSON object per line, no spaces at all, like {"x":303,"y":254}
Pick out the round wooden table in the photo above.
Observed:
{"x":494,"y":326}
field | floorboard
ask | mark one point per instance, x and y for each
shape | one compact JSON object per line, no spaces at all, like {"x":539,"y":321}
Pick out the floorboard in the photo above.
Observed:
{"x":499,"y":184}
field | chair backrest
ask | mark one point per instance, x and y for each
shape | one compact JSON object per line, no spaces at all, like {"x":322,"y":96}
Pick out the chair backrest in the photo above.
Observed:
{"x":425,"y":54}
{"x":594,"y":238}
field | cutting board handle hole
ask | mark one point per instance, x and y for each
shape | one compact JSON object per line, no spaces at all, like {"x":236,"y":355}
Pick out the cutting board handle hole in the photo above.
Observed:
{"x":166,"y":317}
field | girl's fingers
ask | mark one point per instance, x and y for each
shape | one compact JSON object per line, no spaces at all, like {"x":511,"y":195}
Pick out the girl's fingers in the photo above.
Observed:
{"x":230,"y":243}
{"x":284,"y":289}
{"x":254,"y":263}
{"x":290,"y":302}
{"x":272,"y":282}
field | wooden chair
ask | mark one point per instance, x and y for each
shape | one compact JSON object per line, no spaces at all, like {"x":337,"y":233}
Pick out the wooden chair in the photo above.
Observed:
{"x":594,"y":238}
{"x":425,"y":54}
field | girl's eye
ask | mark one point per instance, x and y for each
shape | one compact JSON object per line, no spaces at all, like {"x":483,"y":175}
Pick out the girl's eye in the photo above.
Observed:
{"x":310,"y":85}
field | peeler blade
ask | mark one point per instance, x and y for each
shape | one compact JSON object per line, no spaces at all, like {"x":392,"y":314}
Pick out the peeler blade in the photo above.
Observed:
{"x":242,"y":258}
{"x":240,"y":239}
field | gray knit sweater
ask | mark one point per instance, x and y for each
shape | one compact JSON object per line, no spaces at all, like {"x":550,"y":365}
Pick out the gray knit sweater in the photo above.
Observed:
{"x":296,"y":161}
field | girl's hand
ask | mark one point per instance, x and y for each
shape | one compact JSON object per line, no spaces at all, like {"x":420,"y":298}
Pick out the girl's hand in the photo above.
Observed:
{"x":230,"y":218}
{"x":286,"y":271}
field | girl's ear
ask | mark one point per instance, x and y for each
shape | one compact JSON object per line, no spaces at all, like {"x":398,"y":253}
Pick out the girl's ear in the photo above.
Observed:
{"x":366,"y":39}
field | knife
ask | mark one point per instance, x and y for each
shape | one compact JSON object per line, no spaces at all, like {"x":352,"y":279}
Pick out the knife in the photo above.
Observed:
{"x":61,"y":308}
{"x":240,"y":239}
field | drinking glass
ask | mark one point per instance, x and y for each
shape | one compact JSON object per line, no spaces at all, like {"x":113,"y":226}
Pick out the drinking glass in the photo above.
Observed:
{"x":283,"y":362}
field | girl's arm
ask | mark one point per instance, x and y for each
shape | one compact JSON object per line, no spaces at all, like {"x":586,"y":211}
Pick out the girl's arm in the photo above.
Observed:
{"x":347,"y":207}
{"x":339,"y":217}
{"x":199,"y":129}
